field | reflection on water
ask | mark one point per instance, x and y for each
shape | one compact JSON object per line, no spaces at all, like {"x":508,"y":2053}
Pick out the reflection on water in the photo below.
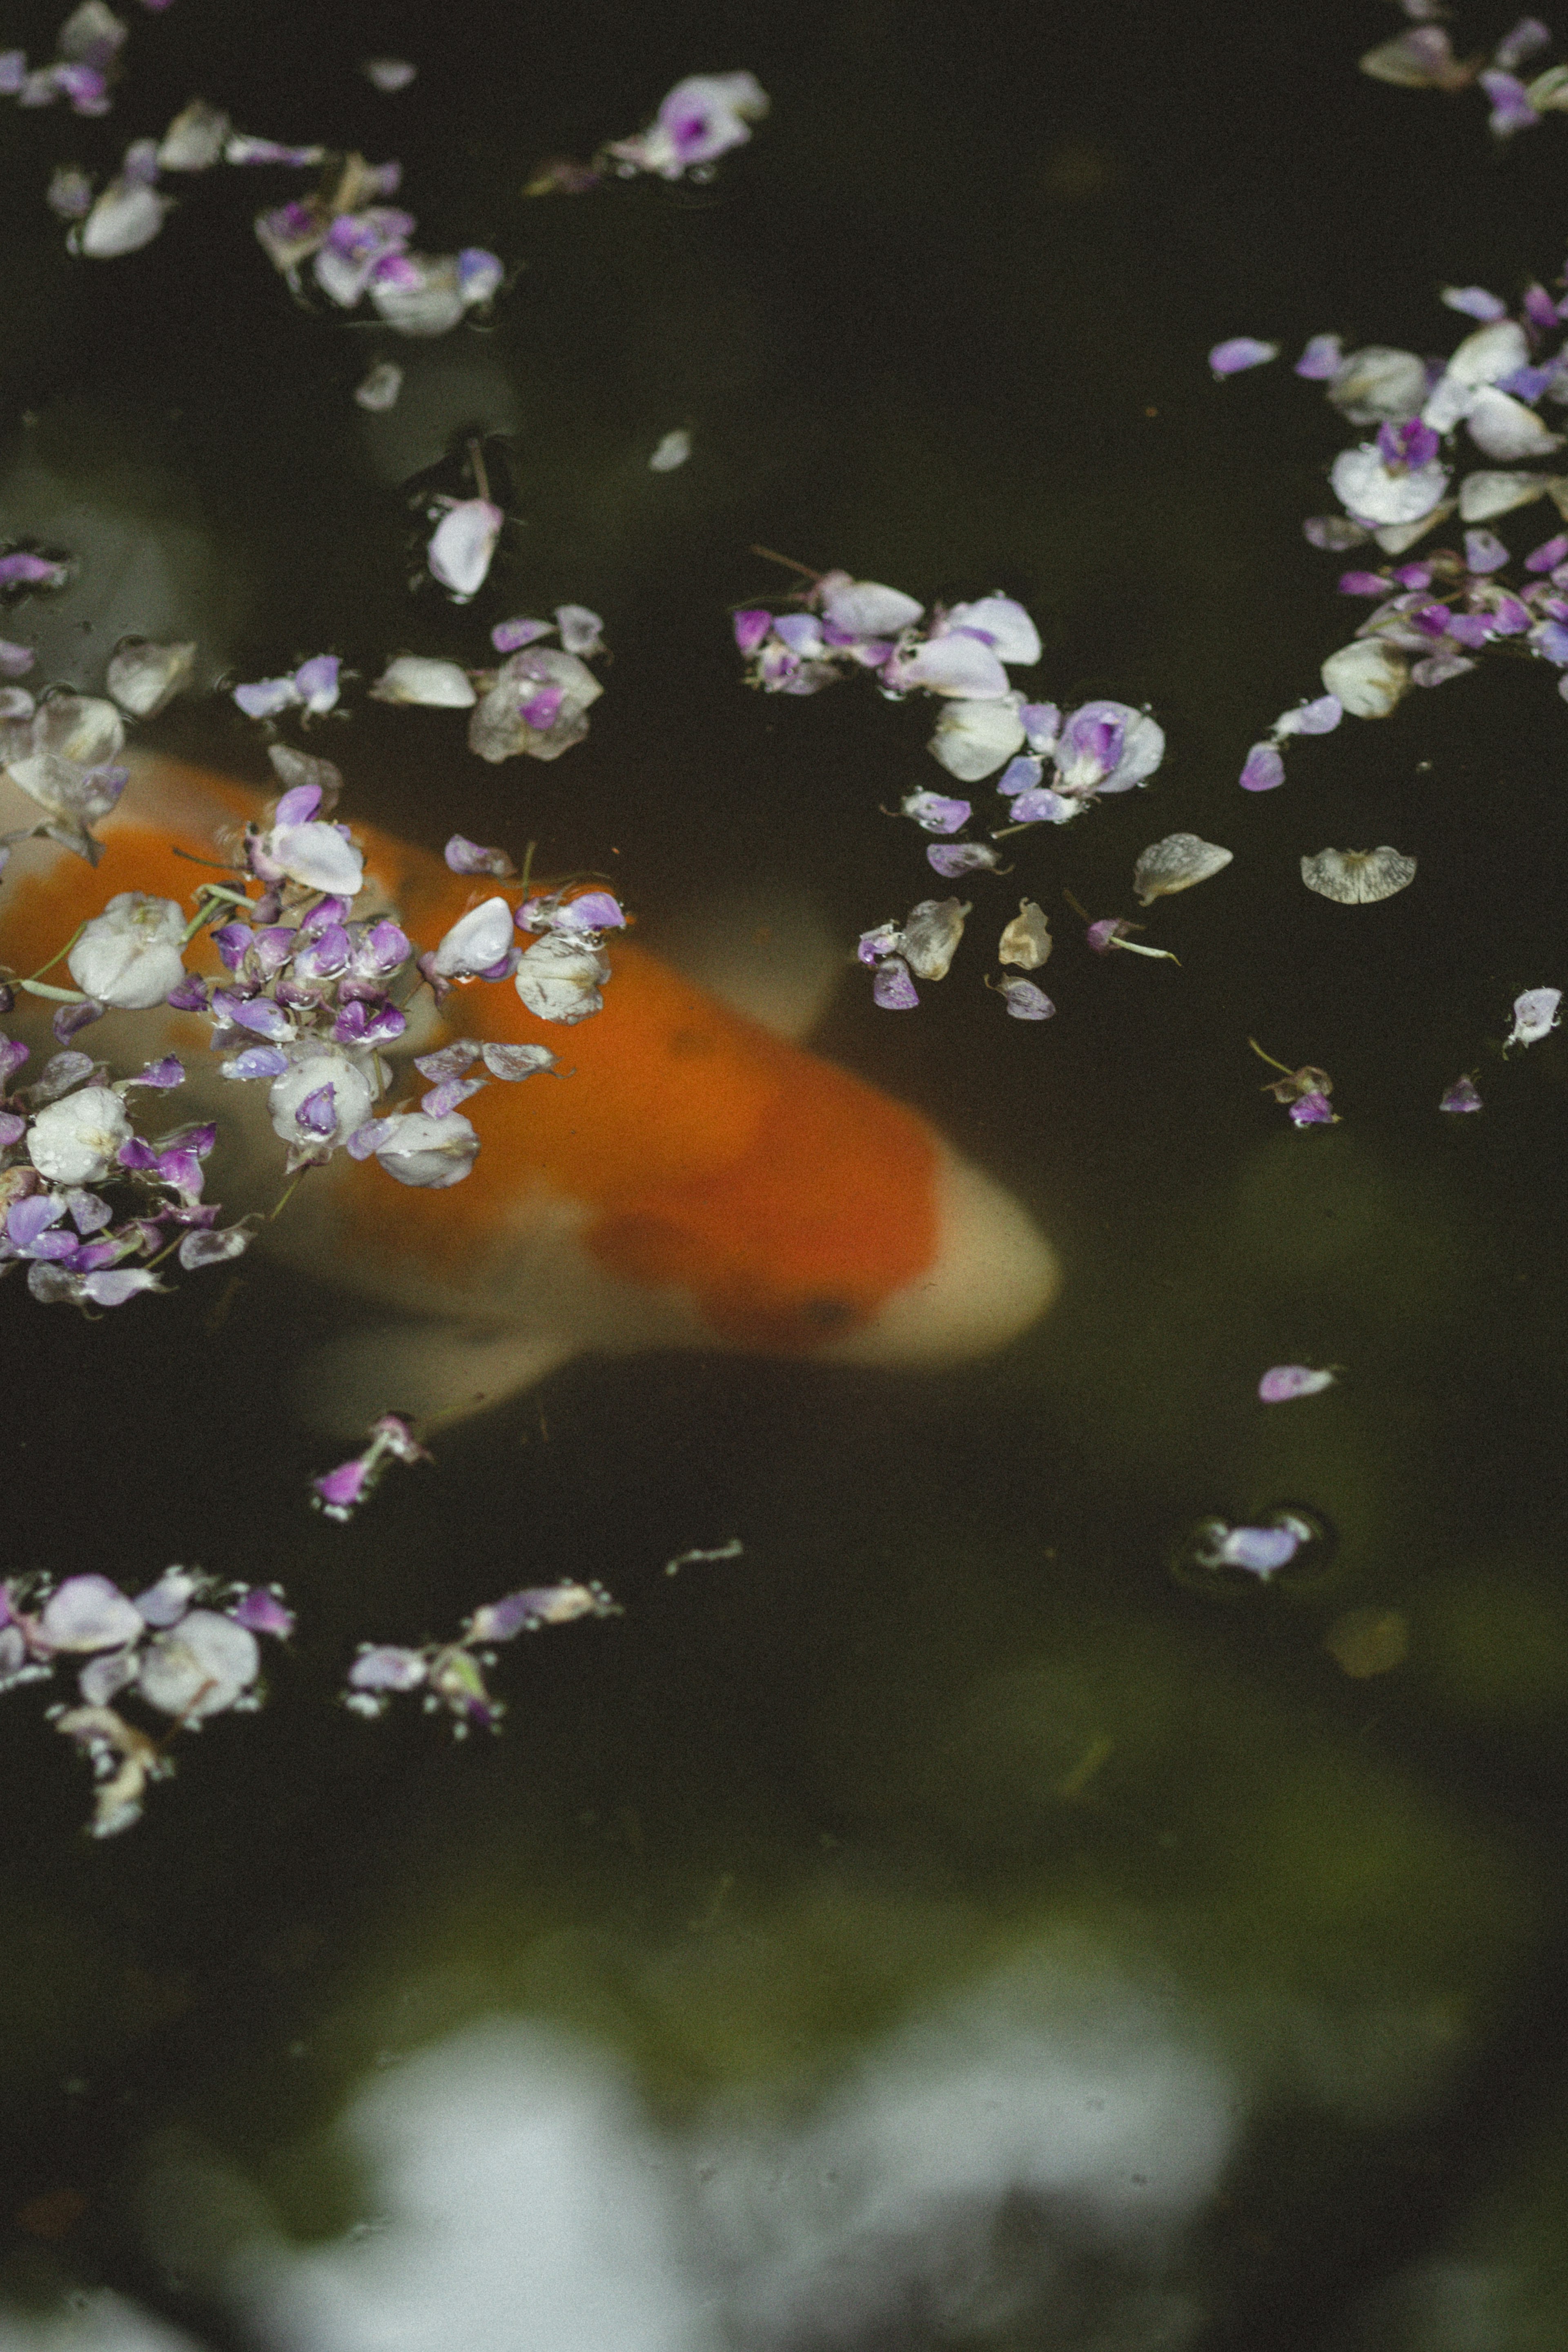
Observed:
{"x":933,"y":1922}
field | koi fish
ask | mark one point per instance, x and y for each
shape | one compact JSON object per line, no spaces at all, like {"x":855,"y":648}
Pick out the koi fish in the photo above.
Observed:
{"x":694,"y":1182}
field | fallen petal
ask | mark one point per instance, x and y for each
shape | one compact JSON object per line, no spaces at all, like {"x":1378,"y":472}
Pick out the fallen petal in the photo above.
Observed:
{"x":1358,"y":878}
{"x":1177,"y":863}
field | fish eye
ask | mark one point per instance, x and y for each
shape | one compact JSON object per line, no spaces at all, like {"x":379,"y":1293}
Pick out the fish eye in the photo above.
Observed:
{"x":827,"y":1314}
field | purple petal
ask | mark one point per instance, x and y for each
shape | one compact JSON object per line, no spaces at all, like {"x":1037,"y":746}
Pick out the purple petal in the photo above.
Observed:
{"x":1484,"y":551}
{"x":1549,"y":554}
{"x":1311,"y":1111}
{"x":1362,"y":584}
{"x":1240,"y":352}
{"x":1024,"y":1001}
{"x":1475,"y":301}
{"x":466,"y":856}
{"x":1321,"y":360}
{"x":1460,"y":1096}
{"x":1263,"y":768}
{"x":892,"y":987}
{"x":1285,"y":1382}
{"x":507,"y":637}
{"x":299,"y":806}
{"x":951,"y":858}
{"x":261,"y":1611}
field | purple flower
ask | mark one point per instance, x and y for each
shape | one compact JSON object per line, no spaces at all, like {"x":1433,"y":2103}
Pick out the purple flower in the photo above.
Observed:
{"x":1461,"y":1096}
{"x":1549,"y":554}
{"x":340,"y":1490}
{"x":466,"y":856}
{"x":1484,"y":551}
{"x":1312,"y":1111}
{"x":22,"y":570}
{"x":1240,"y":352}
{"x":508,"y":637}
{"x":1362,"y":584}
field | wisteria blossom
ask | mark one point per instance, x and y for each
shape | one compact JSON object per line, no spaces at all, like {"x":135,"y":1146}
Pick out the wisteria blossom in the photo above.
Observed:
{"x":1240,"y":353}
{"x":1422,"y":58}
{"x":450,"y":1676}
{"x":1304,"y":1093}
{"x":1260,"y":1549}
{"x":314,"y":688}
{"x":1461,"y":1096}
{"x":339,"y":1493}
{"x":184,"y":1649}
{"x":924,"y":943}
{"x":1358,"y":878}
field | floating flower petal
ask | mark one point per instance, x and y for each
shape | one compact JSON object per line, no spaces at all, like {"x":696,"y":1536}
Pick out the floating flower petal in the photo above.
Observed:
{"x":1177,"y":863}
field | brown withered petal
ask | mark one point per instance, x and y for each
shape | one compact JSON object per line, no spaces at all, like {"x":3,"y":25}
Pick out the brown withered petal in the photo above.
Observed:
{"x":1175,"y":863}
{"x":1027,"y":940}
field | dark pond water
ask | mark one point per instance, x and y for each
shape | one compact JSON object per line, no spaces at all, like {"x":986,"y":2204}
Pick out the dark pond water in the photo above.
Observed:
{"x":937,"y":1925}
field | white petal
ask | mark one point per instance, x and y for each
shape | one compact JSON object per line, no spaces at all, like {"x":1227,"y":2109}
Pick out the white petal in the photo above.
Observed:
{"x":559,"y":979}
{"x":143,"y":678}
{"x":1504,"y":427}
{"x":869,"y":610}
{"x":1014,"y":639}
{"x":974,"y":738}
{"x":1368,"y":677}
{"x":417,"y":677}
{"x":476,"y":941}
{"x":1491,"y":351}
{"x":429,"y":1153}
{"x":462,"y":544}
{"x":200,"y":1666}
{"x":1484,"y":495}
{"x":956,"y":665}
{"x":127,"y":216}
{"x":317,"y":856}
{"x":1378,"y":384}
{"x":672,"y":451}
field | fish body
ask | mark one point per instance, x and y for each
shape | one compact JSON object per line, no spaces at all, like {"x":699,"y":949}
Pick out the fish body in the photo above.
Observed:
{"x":694,"y":1181}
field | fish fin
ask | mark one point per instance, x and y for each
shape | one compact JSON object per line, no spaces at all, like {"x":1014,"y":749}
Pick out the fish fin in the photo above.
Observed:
{"x":770,"y":955}
{"x":430,"y":1372}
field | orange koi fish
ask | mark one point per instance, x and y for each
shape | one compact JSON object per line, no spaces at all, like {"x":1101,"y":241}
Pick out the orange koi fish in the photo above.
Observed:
{"x":696,"y":1180}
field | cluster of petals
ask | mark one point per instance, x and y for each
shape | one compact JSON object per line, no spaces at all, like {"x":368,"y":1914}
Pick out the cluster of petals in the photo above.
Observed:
{"x":923,"y":945}
{"x":64,"y":1138}
{"x":358,"y":246}
{"x":85,"y":60}
{"x":450,"y":1676}
{"x":701,"y":118}
{"x":1423,"y":58}
{"x":181,"y":1648}
{"x":62,"y":751}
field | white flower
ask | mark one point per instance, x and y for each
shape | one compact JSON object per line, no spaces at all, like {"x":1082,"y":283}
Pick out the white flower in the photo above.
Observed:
{"x":430,"y":1153}
{"x":476,"y":941}
{"x":672,"y":451}
{"x":1376,"y":492}
{"x":200,"y":1667}
{"x":974,"y":739}
{"x":559,"y":978}
{"x":1378,"y":386}
{"x":462,"y":544}
{"x":702,"y":116}
{"x":327,"y":1123}
{"x":73,"y":1142}
{"x":418,"y":677}
{"x":130,"y":956}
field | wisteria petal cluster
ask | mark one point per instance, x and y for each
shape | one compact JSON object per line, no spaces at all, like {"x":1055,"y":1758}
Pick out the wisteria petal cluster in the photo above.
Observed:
{"x":451,"y":1675}
{"x":84,"y":69}
{"x":703,"y":118}
{"x":1304,"y":1093}
{"x":1423,"y":58}
{"x":184,"y":1649}
{"x":1435,"y":614}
